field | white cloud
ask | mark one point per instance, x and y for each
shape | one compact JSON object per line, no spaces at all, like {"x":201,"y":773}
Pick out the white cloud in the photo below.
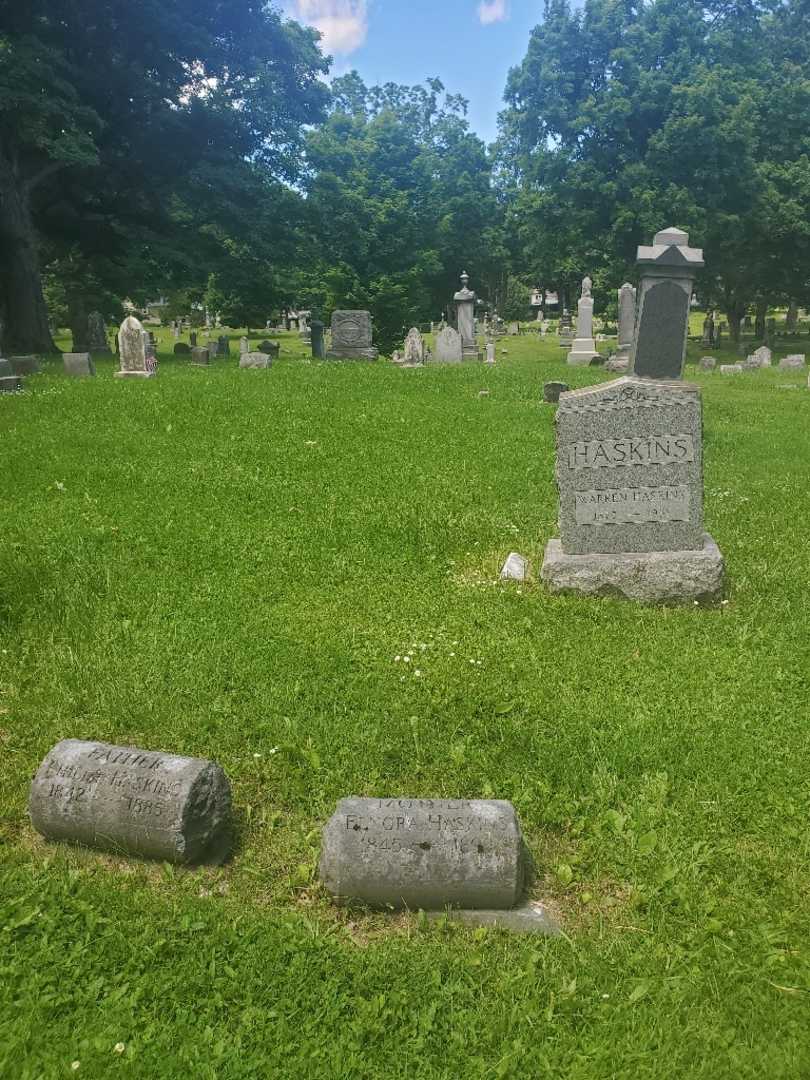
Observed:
{"x":343,"y":23}
{"x":492,"y":11}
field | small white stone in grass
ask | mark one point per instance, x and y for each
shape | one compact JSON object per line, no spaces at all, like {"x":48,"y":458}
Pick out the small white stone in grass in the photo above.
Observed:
{"x":406,"y":659}
{"x":257,"y":755}
{"x":418,"y":673}
{"x":75,"y":1065}
{"x":119,"y":1048}
{"x":397,"y":659}
{"x":516,"y":568}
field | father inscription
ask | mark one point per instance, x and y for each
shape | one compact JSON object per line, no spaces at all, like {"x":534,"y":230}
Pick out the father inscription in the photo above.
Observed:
{"x":134,"y":802}
{"x":424,"y":853}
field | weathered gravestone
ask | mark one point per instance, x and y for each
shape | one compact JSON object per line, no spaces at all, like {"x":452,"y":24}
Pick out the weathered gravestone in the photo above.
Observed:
{"x":627,"y":321}
{"x":630,"y":481}
{"x":791,"y":363}
{"x":448,"y":346}
{"x":25,"y":365}
{"x":97,"y":341}
{"x":200,"y":356}
{"x":9,"y":382}
{"x":731,"y":369}
{"x":351,"y":336}
{"x":132,"y":351}
{"x":213,"y":350}
{"x":424,"y":853}
{"x":181,"y":348}
{"x":552,"y":391}
{"x":583,"y":350}
{"x":414,"y":348}
{"x":271,"y":348}
{"x":134,"y":802}
{"x":192,"y":339}
{"x":490,"y":353}
{"x":317,"y":341}
{"x":566,"y":329}
{"x":223,"y":345}
{"x":78,"y":364}
{"x":244,"y":345}
{"x":707,"y":363}
{"x":665,"y":294}
{"x":514,"y":329}
{"x":255,"y":360}
{"x":761,"y":358}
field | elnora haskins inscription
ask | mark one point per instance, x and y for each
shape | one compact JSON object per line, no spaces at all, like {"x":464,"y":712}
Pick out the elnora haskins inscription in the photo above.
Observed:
{"x":424,"y":853}
{"x":131,"y":801}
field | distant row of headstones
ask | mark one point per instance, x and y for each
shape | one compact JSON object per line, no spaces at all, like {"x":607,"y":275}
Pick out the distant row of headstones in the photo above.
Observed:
{"x":460,"y":855}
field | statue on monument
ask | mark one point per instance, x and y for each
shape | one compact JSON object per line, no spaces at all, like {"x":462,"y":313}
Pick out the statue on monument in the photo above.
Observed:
{"x":587,"y":287}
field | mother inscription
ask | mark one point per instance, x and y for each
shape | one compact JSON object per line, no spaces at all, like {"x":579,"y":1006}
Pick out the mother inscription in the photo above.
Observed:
{"x":424,"y":853}
{"x":136,"y":802}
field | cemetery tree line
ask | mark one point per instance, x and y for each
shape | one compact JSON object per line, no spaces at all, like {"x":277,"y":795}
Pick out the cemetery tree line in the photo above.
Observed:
{"x":195,"y":148}
{"x":626,"y":116}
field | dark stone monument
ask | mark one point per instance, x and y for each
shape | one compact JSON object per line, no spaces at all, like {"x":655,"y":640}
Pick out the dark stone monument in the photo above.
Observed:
{"x":424,"y":853}
{"x":133,"y":802}
{"x":200,"y":356}
{"x":665,"y":293}
{"x":270,"y":348}
{"x":181,"y":349}
{"x":552,"y":391}
{"x":223,"y":345}
{"x":192,"y":339}
{"x":318,"y":344}
{"x":351,"y":336}
{"x":97,"y":342}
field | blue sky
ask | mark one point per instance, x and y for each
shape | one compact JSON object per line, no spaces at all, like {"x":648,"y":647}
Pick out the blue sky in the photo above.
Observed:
{"x":469,"y":44}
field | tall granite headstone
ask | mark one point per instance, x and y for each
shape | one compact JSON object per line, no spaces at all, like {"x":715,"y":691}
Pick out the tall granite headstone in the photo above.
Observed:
{"x":630,"y":482}
{"x":318,"y":345}
{"x":200,"y":356}
{"x":448,"y":346}
{"x":351,"y":336}
{"x":665,"y":295}
{"x":97,"y":341}
{"x":132,"y":351}
{"x":583,"y":351}
{"x":627,"y":321}
{"x":464,"y":301}
{"x":133,"y":802}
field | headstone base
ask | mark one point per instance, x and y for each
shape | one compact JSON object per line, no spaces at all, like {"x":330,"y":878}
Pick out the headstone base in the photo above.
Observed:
{"x":255,"y":360}
{"x":471,"y":352}
{"x":10,"y":384}
{"x":583,"y":352}
{"x":352,"y":354}
{"x":134,"y":374}
{"x":617,"y":365}
{"x":656,"y":577}
{"x":532,"y":918}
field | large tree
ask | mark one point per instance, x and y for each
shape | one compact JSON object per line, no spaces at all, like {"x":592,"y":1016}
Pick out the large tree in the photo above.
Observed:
{"x":107,"y":108}
{"x":401,"y":202}
{"x":626,"y":116}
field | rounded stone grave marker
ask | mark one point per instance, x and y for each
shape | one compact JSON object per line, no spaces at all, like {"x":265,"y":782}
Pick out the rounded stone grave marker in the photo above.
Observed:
{"x":424,"y":853}
{"x":133,"y":802}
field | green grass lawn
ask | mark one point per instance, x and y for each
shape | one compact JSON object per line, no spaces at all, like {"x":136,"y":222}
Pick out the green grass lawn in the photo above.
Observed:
{"x":226,"y":564}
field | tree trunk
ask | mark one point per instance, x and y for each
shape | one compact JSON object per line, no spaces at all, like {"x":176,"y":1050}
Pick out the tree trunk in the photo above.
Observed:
{"x":735,"y":316}
{"x":26,"y":328}
{"x":759,"y":324}
{"x":792,"y":317}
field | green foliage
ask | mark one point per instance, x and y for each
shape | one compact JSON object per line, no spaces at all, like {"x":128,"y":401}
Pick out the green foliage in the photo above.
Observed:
{"x":624,"y":118}
{"x":226,"y":563}
{"x":516,"y":302}
{"x":401,"y":204}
